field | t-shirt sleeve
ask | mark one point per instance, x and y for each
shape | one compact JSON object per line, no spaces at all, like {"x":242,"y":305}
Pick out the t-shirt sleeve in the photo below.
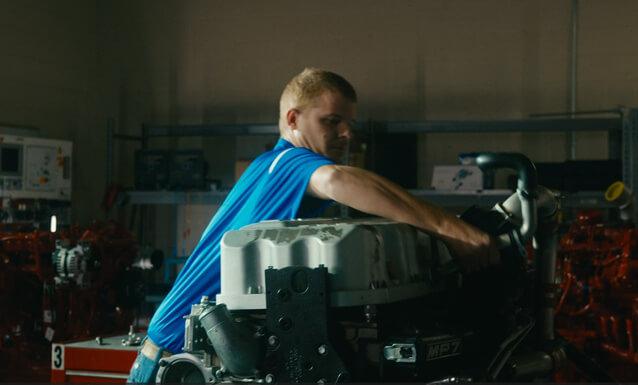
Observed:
{"x":287,"y":181}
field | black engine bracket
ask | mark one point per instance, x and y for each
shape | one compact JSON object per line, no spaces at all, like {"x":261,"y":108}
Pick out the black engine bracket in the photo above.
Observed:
{"x":299,"y":349}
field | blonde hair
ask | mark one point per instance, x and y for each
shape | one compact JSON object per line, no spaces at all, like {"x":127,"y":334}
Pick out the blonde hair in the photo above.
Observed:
{"x":304,"y":88}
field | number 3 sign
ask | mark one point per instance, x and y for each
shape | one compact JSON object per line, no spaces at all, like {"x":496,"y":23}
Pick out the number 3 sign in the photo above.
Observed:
{"x":57,"y":357}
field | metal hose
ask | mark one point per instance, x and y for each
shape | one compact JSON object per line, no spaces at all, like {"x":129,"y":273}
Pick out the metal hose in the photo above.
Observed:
{"x":237,"y":344}
{"x":526,"y":186}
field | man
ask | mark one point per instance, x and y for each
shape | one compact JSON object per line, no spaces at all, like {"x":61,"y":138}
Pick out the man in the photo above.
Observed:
{"x":297,"y":179}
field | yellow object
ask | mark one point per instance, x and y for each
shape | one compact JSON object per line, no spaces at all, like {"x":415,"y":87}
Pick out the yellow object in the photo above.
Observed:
{"x":614,"y":191}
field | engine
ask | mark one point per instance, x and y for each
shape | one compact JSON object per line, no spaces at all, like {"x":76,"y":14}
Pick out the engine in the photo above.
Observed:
{"x":95,"y":288}
{"x":372,"y":300}
{"x":598,"y":307}
{"x":70,"y":284}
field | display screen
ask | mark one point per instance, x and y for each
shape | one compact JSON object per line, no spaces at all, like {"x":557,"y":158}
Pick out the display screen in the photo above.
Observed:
{"x":10,"y":158}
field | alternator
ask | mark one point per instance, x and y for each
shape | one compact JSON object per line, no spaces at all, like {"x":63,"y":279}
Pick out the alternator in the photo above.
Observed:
{"x":73,"y":264}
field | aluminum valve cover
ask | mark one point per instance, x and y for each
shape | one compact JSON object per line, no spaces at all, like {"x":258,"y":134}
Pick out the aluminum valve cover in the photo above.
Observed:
{"x":369,"y":261}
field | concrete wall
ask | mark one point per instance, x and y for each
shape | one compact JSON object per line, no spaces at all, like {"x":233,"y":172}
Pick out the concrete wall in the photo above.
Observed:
{"x":48,"y":71}
{"x":216,"y":61}
{"x":68,"y":66}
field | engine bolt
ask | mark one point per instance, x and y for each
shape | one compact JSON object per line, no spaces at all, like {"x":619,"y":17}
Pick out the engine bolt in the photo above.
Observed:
{"x":273,"y":340}
{"x":270,"y":378}
{"x":283,"y":295}
{"x":322,"y":350}
{"x":285,"y":323}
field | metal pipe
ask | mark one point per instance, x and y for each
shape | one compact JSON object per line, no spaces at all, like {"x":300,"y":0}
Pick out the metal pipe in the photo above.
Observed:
{"x":521,"y":211}
{"x":237,"y":345}
{"x":574,"y":57}
{"x":573,"y":79}
{"x":548,"y":204}
{"x":546,"y":245}
{"x":545,"y":218}
{"x":530,"y":365}
{"x":110,"y":131}
{"x":529,"y":216}
{"x":524,"y":200}
{"x":623,"y":198}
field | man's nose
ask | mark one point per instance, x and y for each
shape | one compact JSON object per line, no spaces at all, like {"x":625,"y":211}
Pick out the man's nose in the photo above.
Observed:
{"x":345,"y":130}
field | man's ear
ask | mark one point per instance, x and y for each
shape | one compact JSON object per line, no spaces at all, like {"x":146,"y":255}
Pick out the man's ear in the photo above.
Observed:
{"x":291,"y":118}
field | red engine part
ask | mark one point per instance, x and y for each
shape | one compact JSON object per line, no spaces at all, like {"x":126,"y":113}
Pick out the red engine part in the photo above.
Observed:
{"x":104,"y":303}
{"x":37,"y":309}
{"x":598,"y":305}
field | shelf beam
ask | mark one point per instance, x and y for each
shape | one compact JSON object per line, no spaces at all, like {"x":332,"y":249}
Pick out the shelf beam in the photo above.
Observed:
{"x":441,"y":126}
{"x":481,"y":126}
{"x":149,"y":131}
{"x":486,"y":198}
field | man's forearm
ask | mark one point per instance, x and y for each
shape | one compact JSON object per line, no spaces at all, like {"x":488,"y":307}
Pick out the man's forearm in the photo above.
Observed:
{"x":373,"y":194}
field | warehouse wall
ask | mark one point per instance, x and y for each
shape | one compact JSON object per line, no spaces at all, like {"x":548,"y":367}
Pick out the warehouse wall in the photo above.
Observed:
{"x":215,"y":61}
{"x":48,"y":73}
{"x":68,"y":66}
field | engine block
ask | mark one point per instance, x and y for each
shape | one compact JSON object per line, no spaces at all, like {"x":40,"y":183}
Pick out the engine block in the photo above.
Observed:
{"x":370,"y":261}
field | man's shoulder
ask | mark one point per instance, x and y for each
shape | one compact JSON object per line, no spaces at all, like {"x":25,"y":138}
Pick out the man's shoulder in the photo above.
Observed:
{"x":301,"y":152}
{"x":297,"y":156}
{"x":272,"y":154}
{"x":288,"y":158}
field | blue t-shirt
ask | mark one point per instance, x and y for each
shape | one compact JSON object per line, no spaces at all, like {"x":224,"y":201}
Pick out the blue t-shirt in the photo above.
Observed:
{"x":272,"y":187}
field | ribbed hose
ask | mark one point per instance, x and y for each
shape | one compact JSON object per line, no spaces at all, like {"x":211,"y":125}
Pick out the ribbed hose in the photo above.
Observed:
{"x":237,"y":344}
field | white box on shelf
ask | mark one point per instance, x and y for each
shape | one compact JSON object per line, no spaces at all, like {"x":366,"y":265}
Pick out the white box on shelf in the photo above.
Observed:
{"x":465,"y":178}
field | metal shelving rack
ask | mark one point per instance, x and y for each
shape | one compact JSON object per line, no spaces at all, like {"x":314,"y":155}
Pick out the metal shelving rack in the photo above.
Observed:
{"x":623,"y":142}
{"x":486,"y":198}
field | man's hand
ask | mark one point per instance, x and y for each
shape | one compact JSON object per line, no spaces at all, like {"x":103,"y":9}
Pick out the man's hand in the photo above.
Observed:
{"x":474,"y":257}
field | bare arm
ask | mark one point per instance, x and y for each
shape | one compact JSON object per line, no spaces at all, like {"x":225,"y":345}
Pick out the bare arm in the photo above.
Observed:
{"x":373,"y":194}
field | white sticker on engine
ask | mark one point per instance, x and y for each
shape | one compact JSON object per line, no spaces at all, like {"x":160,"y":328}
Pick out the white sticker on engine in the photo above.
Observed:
{"x":48,"y":316}
{"x":48,"y":334}
{"x":57,"y":356}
